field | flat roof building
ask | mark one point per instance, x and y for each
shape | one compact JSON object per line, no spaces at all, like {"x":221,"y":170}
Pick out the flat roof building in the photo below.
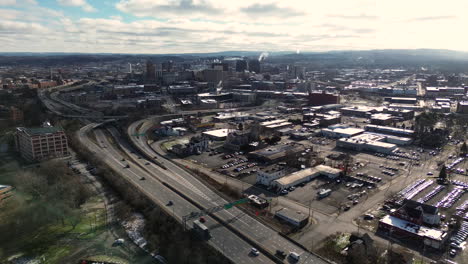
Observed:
{"x":390,"y":130}
{"x":341,"y":131}
{"x":218,"y":134}
{"x":41,"y":143}
{"x":367,"y":142}
{"x":306,"y":175}
{"x":277,"y":153}
{"x":431,"y":237}
{"x":294,"y":218}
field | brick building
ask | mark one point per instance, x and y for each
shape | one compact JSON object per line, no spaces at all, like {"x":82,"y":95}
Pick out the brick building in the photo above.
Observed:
{"x":41,"y":143}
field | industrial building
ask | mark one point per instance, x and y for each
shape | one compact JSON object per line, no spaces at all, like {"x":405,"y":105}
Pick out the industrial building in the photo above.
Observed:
{"x":41,"y":143}
{"x":305,"y":175}
{"x":341,"y":131}
{"x":323,"y":98}
{"x":401,"y":100}
{"x":267,"y":175}
{"x":403,"y":114}
{"x":445,"y":91}
{"x":359,"y":111}
{"x":277,"y":153}
{"x":367,"y":142}
{"x":462,"y":107}
{"x":326,"y":119}
{"x":294,"y":218}
{"x":390,"y":130}
{"x":381,"y":119}
{"x":196,"y":145}
{"x":218,"y":134}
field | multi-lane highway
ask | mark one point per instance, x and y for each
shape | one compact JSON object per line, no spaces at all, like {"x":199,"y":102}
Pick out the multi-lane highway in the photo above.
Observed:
{"x":190,"y":185}
{"x":222,"y":238}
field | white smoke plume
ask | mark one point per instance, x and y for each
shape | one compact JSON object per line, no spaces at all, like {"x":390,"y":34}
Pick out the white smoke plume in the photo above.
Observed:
{"x":263,"y":56}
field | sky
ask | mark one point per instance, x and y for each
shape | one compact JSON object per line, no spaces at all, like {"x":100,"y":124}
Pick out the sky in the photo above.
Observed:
{"x":194,"y":26}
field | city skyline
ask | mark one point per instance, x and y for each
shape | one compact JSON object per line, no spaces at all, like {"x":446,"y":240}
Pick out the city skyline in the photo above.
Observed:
{"x":192,"y":26}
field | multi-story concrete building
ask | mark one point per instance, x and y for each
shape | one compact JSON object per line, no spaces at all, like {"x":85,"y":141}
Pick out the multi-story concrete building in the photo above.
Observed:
{"x":41,"y":143}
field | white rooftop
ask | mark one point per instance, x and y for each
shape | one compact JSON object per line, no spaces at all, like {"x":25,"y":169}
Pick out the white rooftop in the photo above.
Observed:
{"x":422,"y":231}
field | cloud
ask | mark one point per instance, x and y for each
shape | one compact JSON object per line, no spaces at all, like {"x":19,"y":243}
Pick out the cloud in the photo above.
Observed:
{"x":270,"y":9}
{"x":165,"y":8}
{"x":181,"y":26}
{"x":355,"y":17}
{"x":15,"y":27}
{"x":77,"y":3}
{"x":7,"y":2}
{"x":430,"y":18}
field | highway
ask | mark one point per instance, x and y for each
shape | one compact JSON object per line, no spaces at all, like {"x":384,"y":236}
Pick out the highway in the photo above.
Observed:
{"x":222,"y":238}
{"x":190,"y":185}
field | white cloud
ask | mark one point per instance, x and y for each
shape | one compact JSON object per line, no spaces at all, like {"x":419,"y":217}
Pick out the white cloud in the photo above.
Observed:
{"x":7,"y":2}
{"x":176,"y":26}
{"x":78,"y":3}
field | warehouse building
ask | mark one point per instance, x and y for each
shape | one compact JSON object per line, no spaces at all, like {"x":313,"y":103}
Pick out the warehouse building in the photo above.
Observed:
{"x":218,"y":134}
{"x":277,"y":153}
{"x":401,"y":100}
{"x":41,"y":143}
{"x":359,"y":111}
{"x":381,"y":119}
{"x":462,"y":107}
{"x":305,"y":175}
{"x":367,"y":142}
{"x":341,"y":131}
{"x":294,"y":218}
{"x":390,"y":130}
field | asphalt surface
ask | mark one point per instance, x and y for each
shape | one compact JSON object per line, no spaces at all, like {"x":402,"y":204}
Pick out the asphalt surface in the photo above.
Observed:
{"x":222,"y":238}
{"x":188,"y":184}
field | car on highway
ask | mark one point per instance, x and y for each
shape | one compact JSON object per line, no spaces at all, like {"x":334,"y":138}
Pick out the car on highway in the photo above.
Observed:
{"x":294,"y":256}
{"x":280,"y":254}
{"x":202,"y":219}
{"x":147,"y":163}
{"x":127,"y":166}
{"x":142,"y":178}
{"x":169,"y":203}
{"x":254,"y":252}
{"x":122,"y":159}
{"x":430,"y":173}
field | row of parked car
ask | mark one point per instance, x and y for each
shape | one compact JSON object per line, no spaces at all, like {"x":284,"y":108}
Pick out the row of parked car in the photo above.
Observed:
{"x":460,"y":183}
{"x":233,"y":163}
{"x":451,"y":198}
{"x":233,"y":155}
{"x":369,"y":177}
{"x":389,"y":168}
{"x":459,"y":237}
{"x":389,"y":173}
{"x":416,"y":190}
{"x":431,"y":194}
{"x":241,"y":168}
{"x":411,"y":187}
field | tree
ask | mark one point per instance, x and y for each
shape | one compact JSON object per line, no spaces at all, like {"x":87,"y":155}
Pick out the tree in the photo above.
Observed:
{"x":443,"y":174}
